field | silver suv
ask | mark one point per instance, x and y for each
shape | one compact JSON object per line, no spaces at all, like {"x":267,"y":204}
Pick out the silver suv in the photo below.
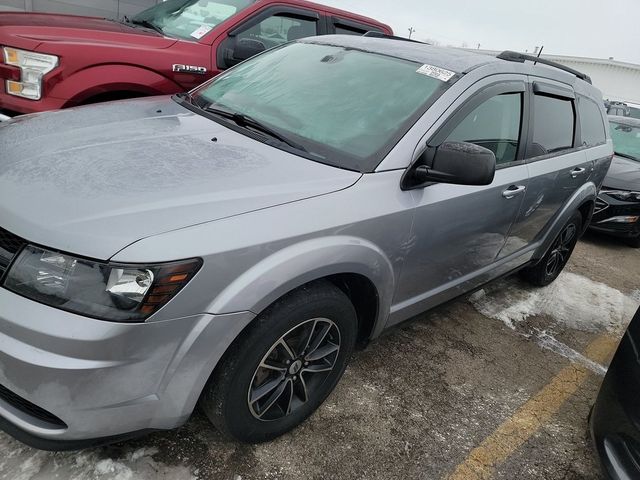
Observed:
{"x":231,"y":246}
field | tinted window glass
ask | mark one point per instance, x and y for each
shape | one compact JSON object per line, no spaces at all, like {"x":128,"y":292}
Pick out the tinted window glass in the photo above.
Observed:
{"x":344,"y":30}
{"x":591,"y":123}
{"x":279,"y":29}
{"x":553,"y":125}
{"x":494,"y":125}
{"x":346,"y":107}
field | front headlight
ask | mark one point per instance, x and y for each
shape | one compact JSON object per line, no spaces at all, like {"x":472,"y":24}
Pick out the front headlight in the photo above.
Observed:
{"x":623,"y":195}
{"x":124,"y":293}
{"x":33,"y":66}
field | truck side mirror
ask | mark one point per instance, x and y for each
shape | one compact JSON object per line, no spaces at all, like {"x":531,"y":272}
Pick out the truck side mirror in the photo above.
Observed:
{"x":245,"y":48}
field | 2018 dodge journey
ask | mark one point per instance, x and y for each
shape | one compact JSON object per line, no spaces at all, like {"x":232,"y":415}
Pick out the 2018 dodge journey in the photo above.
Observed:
{"x":231,"y":246}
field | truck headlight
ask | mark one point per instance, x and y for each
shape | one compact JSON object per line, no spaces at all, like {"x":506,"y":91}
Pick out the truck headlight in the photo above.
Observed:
{"x":623,"y":195}
{"x":33,"y":66}
{"x":121,"y":293}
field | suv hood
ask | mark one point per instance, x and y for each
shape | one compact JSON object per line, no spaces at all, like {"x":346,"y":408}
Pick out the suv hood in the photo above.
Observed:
{"x":624,"y":174}
{"x":29,"y":30}
{"x":92,"y":180}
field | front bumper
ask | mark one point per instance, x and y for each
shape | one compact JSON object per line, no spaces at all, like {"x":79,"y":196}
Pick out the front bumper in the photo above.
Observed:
{"x":100,"y":381}
{"x":615,"y":419}
{"x":607,"y":208}
{"x":11,"y":105}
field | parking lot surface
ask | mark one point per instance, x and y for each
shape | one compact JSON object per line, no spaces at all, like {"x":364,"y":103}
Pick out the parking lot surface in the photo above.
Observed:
{"x":497,"y":384}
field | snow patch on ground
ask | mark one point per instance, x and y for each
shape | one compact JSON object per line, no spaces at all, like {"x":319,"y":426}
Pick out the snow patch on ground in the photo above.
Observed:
{"x":572,"y":301}
{"x":636,"y":295}
{"x":19,"y":462}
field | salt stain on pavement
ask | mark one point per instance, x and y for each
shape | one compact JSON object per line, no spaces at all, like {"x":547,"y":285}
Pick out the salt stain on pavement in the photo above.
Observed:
{"x":19,"y":462}
{"x":573,"y":301}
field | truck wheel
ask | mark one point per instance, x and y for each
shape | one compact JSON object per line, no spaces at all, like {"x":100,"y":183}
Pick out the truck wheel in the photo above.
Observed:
{"x":549,"y":267}
{"x":281,"y":369}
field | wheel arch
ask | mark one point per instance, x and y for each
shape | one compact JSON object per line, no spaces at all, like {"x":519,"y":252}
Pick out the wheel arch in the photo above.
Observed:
{"x":358,"y":267}
{"x":583,"y":201}
{"x":103,"y":79}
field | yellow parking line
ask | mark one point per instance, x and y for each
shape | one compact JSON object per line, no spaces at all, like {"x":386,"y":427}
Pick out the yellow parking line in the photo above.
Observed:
{"x":538,"y":410}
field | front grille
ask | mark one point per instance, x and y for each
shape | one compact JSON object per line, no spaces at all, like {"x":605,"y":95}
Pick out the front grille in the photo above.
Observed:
{"x":600,"y":205}
{"x":10,"y":244}
{"x":29,"y":408}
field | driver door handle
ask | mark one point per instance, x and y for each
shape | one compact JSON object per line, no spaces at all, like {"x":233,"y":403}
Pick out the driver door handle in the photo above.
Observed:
{"x":577,"y":171}
{"x":513,"y":191}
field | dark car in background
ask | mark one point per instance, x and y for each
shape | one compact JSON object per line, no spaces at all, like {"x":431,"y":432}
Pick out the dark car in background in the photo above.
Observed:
{"x":618,"y":206}
{"x":615,"y":419}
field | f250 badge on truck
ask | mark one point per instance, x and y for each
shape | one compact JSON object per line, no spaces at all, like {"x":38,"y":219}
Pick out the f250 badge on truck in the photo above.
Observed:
{"x":178,"y":67}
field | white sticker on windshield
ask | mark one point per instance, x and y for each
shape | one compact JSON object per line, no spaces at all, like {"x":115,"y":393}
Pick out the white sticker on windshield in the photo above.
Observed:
{"x":201,"y":31}
{"x":436,"y":72}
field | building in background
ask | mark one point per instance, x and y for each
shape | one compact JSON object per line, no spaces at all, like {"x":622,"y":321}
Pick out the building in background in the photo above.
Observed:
{"x":618,"y":81}
{"x":95,"y":8}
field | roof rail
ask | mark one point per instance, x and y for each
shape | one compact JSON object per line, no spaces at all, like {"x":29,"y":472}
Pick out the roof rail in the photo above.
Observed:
{"x":510,"y":56}
{"x":376,"y":34}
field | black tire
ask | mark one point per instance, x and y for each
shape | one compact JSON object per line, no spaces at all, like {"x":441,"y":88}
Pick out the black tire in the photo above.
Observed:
{"x":549,"y":267}
{"x":251,"y":361}
{"x":634,"y":242}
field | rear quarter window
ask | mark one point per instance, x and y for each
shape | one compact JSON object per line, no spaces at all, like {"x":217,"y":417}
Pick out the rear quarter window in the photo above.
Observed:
{"x":591,"y":123}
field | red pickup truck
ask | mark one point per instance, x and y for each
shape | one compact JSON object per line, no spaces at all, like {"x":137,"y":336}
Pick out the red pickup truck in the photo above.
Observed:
{"x":57,"y":61}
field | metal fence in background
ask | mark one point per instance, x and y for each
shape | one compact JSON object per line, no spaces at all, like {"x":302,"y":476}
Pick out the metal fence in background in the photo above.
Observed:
{"x":96,"y":8}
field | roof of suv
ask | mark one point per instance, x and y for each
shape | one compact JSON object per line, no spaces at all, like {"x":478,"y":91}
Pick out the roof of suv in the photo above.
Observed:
{"x":454,"y":59}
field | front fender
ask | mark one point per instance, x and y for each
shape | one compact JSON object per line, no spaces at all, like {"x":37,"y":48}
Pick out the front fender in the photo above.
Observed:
{"x":100,"y":79}
{"x":295,"y":265}
{"x":586,"y":193}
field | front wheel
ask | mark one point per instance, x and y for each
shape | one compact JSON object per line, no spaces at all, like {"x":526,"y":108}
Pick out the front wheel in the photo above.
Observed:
{"x":281,"y":370}
{"x":554,"y":261}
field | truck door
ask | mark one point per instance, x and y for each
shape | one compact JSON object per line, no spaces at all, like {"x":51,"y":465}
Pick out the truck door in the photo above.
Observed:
{"x":266,"y":29}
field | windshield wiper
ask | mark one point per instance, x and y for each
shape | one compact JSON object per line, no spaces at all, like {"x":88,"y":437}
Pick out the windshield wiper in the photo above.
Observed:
{"x":626,"y":155}
{"x":246,"y":121}
{"x":146,"y":24}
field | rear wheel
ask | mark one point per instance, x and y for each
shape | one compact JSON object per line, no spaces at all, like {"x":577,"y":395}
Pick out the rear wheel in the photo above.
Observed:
{"x":282,"y":369}
{"x":554,"y":261}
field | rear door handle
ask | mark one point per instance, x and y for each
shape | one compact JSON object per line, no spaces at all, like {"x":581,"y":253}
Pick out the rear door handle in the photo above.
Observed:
{"x":577,"y":171}
{"x":513,"y":191}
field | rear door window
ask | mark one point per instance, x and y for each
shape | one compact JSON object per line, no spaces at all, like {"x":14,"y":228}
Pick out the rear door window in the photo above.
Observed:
{"x":591,"y":123}
{"x":349,"y":27}
{"x":553,"y":125}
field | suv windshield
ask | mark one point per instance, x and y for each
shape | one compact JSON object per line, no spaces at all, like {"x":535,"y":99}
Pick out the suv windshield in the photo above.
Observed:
{"x":346,"y":107}
{"x":626,"y":140}
{"x":189,"y":19}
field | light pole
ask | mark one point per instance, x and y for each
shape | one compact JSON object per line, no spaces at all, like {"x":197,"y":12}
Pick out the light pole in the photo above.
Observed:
{"x":411,"y":31}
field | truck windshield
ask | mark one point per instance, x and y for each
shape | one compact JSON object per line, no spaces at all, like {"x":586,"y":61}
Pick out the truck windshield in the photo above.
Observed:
{"x":189,"y":19}
{"x":626,"y":140}
{"x":346,"y":107}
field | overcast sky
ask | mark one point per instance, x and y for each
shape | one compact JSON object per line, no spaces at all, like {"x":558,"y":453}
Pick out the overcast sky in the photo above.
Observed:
{"x":586,"y":28}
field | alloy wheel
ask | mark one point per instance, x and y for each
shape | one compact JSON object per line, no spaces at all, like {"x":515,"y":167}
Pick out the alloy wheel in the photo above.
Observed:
{"x":561,"y":250}
{"x":293,"y":369}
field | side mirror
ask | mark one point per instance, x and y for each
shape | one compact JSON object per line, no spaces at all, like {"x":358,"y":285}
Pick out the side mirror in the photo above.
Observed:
{"x":246,"y":48}
{"x":460,"y":163}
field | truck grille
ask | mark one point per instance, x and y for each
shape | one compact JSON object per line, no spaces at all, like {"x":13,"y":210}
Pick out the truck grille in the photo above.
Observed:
{"x":10,"y":244}
{"x":29,"y":408}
